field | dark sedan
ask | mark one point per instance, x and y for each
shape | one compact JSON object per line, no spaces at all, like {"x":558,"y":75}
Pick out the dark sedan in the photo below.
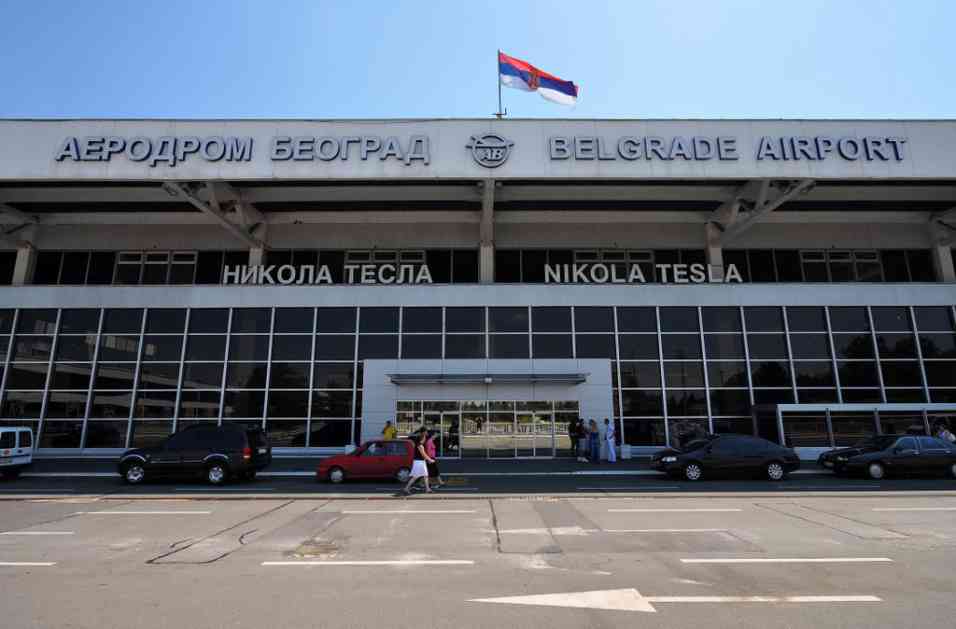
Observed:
{"x":727,"y":455}
{"x":897,"y":455}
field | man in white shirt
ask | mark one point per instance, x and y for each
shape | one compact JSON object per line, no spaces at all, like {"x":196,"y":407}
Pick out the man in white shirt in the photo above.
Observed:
{"x":609,"y":439}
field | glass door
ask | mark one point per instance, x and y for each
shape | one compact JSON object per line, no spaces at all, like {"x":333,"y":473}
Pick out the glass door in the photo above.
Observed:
{"x":450,"y":443}
{"x":524,"y":435}
{"x":544,"y":434}
{"x":472,"y":427}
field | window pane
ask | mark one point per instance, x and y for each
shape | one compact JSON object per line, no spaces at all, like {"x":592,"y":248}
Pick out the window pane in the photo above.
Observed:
{"x":767,"y":346}
{"x":248,"y":347}
{"x":251,"y":320}
{"x":115,"y":347}
{"x":335,"y":347}
{"x":246,"y":375}
{"x":75,"y":348}
{"x":788,"y":265}
{"x":894,"y":265}
{"x":378,"y":346}
{"x":155,"y":404}
{"x":532,"y":265}
{"x":806,"y":430}
{"x":78,"y":321}
{"x":26,"y":375}
{"x":159,"y":376}
{"x":770,"y":374}
{"x":896,"y":345}
{"x":199,"y":404}
{"x":556,"y":319}
{"x":74,"y":267}
{"x":849,"y":319}
{"x":333,"y":376}
{"x":683,"y":374}
{"x":61,"y":434}
{"x":166,"y":320}
{"x":421,"y":346}
{"x":901,"y":374}
{"x":331,"y":404}
{"x":853,"y":345}
{"x":289,"y":376}
{"x":814,"y":374}
{"x":640,"y":375}
{"x":721,"y":320}
{"x":681,"y":346}
{"x":508,"y":346}
{"x":69,"y":376}
{"x":243,"y":403}
{"x":595,"y":346}
{"x":773,"y":396}
{"x":731,"y":402}
{"x":810,"y":345}
{"x":288,"y":404}
{"x":110,"y":404}
{"x":22,"y":404}
{"x":891,"y":319}
{"x":638,"y":346}
{"x":686,"y":403}
{"x":293,"y":320}
{"x":67,"y":405}
{"x":507,"y":266}
{"x":761,"y":265}
{"x":421,"y":320}
{"x":636,"y":320}
{"x":205,"y":347}
{"x":36,"y":322}
{"x":128,"y":320}
{"x":464,"y":266}
{"x":638,"y":403}
{"x":329,"y":434}
{"x":764,"y":319}
{"x":464,"y":346}
{"x":34,"y":348}
{"x":806,"y":319}
{"x":921,"y":265}
{"x":849,"y":428}
{"x":508,"y":319}
{"x":202,"y":376}
{"x":336,"y":320}
{"x":858,"y":374}
{"x":157,"y":347}
{"x":941,"y":374}
{"x":114,"y":376}
{"x":934,"y":319}
{"x":679,"y":319}
{"x":146,"y":434}
{"x":105,"y":434}
{"x":724,"y":374}
{"x":551,"y":345}
{"x":860,"y":395}
{"x":593,"y":319}
{"x":378,"y":320}
{"x":643,"y":432}
{"x":465,"y":319}
{"x":938,"y":345}
{"x":724,"y":345}
{"x":208,"y":320}
{"x":292,"y":347}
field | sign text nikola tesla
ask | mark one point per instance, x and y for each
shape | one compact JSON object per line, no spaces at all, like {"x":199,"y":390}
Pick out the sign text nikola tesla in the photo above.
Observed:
{"x":598,"y":273}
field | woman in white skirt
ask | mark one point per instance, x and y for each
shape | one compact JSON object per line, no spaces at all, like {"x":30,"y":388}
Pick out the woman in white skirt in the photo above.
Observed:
{"x":419,"y":464}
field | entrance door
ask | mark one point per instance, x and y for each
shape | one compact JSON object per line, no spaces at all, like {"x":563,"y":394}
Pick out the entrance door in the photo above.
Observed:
{"x":534,"y":434}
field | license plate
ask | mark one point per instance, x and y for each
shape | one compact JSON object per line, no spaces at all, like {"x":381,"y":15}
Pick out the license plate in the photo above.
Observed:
{"x":6,"y":461}
{"x":262,"y":450}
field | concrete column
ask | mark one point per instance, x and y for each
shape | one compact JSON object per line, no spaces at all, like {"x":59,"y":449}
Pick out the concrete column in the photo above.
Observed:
{"x":25,"y":264}
{"x":940,"y":248}
{"x":486,"y":243}
{"x":713,"y":249}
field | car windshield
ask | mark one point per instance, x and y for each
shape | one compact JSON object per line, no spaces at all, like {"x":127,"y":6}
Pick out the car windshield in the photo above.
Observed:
{"x":696,"y":444}
{"x":876,"y":443}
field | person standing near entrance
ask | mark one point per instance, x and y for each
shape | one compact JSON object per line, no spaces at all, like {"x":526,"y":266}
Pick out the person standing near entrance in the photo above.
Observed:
{"x":389,"y":432}
{"x":573,"y":436}
{"x":431,"y":449}
{"x":609,"y":439}
{"x":419,"y":464}
{"x":593,"y":442}
{"x":582,"y":431}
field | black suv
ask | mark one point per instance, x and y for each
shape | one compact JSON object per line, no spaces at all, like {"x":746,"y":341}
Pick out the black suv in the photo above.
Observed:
{"x":217,"y":453}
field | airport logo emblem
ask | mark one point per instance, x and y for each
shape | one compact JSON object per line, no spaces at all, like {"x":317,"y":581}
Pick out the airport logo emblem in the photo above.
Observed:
{"x":490,"y":150}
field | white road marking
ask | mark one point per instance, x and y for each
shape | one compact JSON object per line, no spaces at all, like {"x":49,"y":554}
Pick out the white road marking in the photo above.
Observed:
{"x":915,"y":509}
{"x":37,"y":491}
{"x":792,"y":560}
{"x":285,"y":474}
{"x":406,"y":512}
{"x":28,"y":564}
{"x":142,"y":512}
{"x":37,"y":533}
{"x":225,"y":489}
{"x":406,"y":562}
{"x":714,"y":510}
{"x":629,"y":599}
{"x":632,"y":488}
{"x":665,"y":530}
{"x":70,"y":474}
{"x":578,"y":531}
{"x":826,"y":486}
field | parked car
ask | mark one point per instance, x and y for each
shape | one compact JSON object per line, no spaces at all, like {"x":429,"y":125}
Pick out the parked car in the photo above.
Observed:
{"x":373,"y":459}
{"x":727,"y":454}
{"x":216,"y":453}
{"x":16,"y":450}
{"x":897,"y":455}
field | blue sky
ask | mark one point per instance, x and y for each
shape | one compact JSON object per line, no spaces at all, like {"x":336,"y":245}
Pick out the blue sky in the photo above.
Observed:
{"x":378,"y":58}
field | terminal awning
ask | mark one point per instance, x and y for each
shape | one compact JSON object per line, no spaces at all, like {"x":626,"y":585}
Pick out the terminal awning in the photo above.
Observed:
{"x":487,"y":378}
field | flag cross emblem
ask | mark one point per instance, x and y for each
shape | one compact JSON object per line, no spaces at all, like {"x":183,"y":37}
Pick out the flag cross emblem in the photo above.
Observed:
{"x":490,"y":150}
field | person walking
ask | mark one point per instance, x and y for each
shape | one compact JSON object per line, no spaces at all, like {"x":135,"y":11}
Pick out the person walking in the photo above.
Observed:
{"x":431,"y":449}
{"x":419,"y":464}
{"x":573,"y":436}
{"x":389,"y":432}
{"x":609,"y":438}
{"x":594,"y":446}
{"x":582,"y":432}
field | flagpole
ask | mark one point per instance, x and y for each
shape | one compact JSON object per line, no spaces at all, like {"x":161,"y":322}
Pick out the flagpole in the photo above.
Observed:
{"x":499,"y":113}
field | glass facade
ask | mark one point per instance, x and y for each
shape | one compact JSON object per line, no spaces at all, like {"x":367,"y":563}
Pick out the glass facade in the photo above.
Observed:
{"x":108,"y":378}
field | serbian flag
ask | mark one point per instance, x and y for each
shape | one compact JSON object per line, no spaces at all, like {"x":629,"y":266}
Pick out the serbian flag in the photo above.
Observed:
{"x":522,"y":75}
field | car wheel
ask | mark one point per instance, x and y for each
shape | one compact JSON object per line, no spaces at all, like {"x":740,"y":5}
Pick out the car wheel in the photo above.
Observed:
{"x":134,"y":473}
{"x":876,"y":471}
{"x":336,"y":475}
{"x":693,"y":471}
{"x":402,"y":474}
{"x":216,"y":474}
{"x":775,"y":471}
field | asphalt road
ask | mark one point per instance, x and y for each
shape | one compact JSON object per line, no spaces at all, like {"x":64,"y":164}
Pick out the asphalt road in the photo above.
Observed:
{"x":793,"y":559}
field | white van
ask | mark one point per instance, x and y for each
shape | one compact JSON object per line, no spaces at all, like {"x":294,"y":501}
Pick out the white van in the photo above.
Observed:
{"x":16,"y":450}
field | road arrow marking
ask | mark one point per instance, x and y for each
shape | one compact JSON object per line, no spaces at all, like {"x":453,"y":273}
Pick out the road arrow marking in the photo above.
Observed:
{"x":626,"y":600}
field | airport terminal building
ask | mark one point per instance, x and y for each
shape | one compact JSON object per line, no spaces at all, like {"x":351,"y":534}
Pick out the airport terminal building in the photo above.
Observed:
{"x":494,"y":279}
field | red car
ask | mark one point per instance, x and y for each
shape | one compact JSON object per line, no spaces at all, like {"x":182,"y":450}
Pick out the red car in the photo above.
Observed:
{"x":373,"y":459}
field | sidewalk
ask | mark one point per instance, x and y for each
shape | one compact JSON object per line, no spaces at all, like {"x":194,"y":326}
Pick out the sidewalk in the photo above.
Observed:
{"x":305,"y":466}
